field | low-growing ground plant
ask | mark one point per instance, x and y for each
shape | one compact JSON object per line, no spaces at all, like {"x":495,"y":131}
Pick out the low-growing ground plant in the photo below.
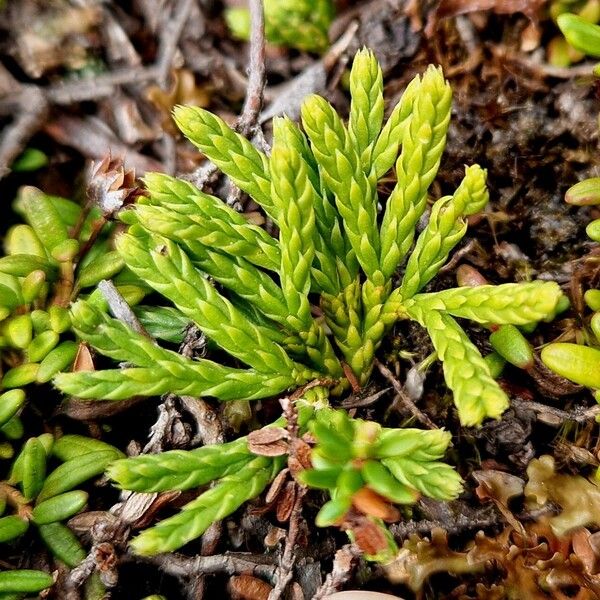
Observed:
{"x":576,"y":20}
{"x":581,"y":34}
{"x":581,"y":362}
{"x":313,"y":304}
{"x":33,"y":496}
{"x":60,"y":251}
{"x":301,"y":24}
{"x":58,"y":254}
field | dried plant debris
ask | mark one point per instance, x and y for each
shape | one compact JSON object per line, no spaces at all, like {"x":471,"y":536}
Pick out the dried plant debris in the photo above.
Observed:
{"x":47,"y":36}
{"x":577,"y":497}
{"x":535,"y":565}
{"x":545,"y":555}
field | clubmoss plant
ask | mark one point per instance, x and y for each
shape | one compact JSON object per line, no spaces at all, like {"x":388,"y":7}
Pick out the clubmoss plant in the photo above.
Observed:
{"x":315,"y":303}
{"x":301,"y":24}
{"x":508,"y":341}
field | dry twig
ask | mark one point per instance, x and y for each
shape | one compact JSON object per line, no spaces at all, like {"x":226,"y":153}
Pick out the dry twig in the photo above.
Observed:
{"x":33,"y":108}
{"x":284,"y":572}
{"x":119,"y":308}
{"x":184,"y":567}
{"x":403,"y":398}
{"x":256,"y":70}
{"x":169,"y":40}
{"x":341,"y":571}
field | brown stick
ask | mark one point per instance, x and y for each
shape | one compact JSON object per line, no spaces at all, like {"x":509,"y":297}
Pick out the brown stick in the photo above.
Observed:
{"x":230,"y":564}
{"x":93,"y":88}
{"x":169,"y":40}
{"x":557,"y":416}
{"x":256,"y":70}
{"x":341,"y":571}
{"x":119,"y":307}
{"x":285,"y":570}
{"x":403,"y":398}
{"x":34,"y":108}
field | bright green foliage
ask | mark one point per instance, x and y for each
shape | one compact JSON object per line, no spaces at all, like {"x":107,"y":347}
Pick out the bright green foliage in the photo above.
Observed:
{"x":24,"y":581}
{"x":343,"y":175}
{"x":584,"y":193}
{"x":179,"y":469}
{"x":397,"y":464}
{"x":445,"y":229}
{"x":366,"y":108}
{"x":516,"y":303}
{"x":507,"y":340}
{"x":509,"y":343}
{"x":199,"y":221}
{"x":422,"y":146}
{"x":246,"y":166}
{"x":580,"y":33}
{"x":232,"y":490}
{"x":59,"y":253}
{"x":254,"y":296}
{"x":45,"y":498}
{"x":31,"y":159}
{"x":301,"y":24}
{"x":476,"y":394}
{"x":577,"y":20}
{"x":321,"y":191}
{"x":581,"y":364}
{"x":43,"y":268}
{"x":159,"y":371}
{"x":238,"y":474}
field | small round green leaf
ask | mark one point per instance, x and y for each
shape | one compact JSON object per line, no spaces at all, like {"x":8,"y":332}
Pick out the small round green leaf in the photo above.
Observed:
{"x":580,"y":364}
{"x":25,"y":581}
{"x":12,"y":527}
{"x":59,"y":508}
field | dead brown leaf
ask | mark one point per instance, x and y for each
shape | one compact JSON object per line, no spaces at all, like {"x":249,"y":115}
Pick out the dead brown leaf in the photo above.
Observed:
{"x":584,"y":549}
{"x":277,"y":486}
{"x":285,"y":502}
{"x":83,"y":360}
{"x":157,"y":504}
{"x":112,"y":185}
{"x":368,"y":535}
{"x":299,"y":456}
{"x":269,"y":441}
{"x":247,"y":587}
